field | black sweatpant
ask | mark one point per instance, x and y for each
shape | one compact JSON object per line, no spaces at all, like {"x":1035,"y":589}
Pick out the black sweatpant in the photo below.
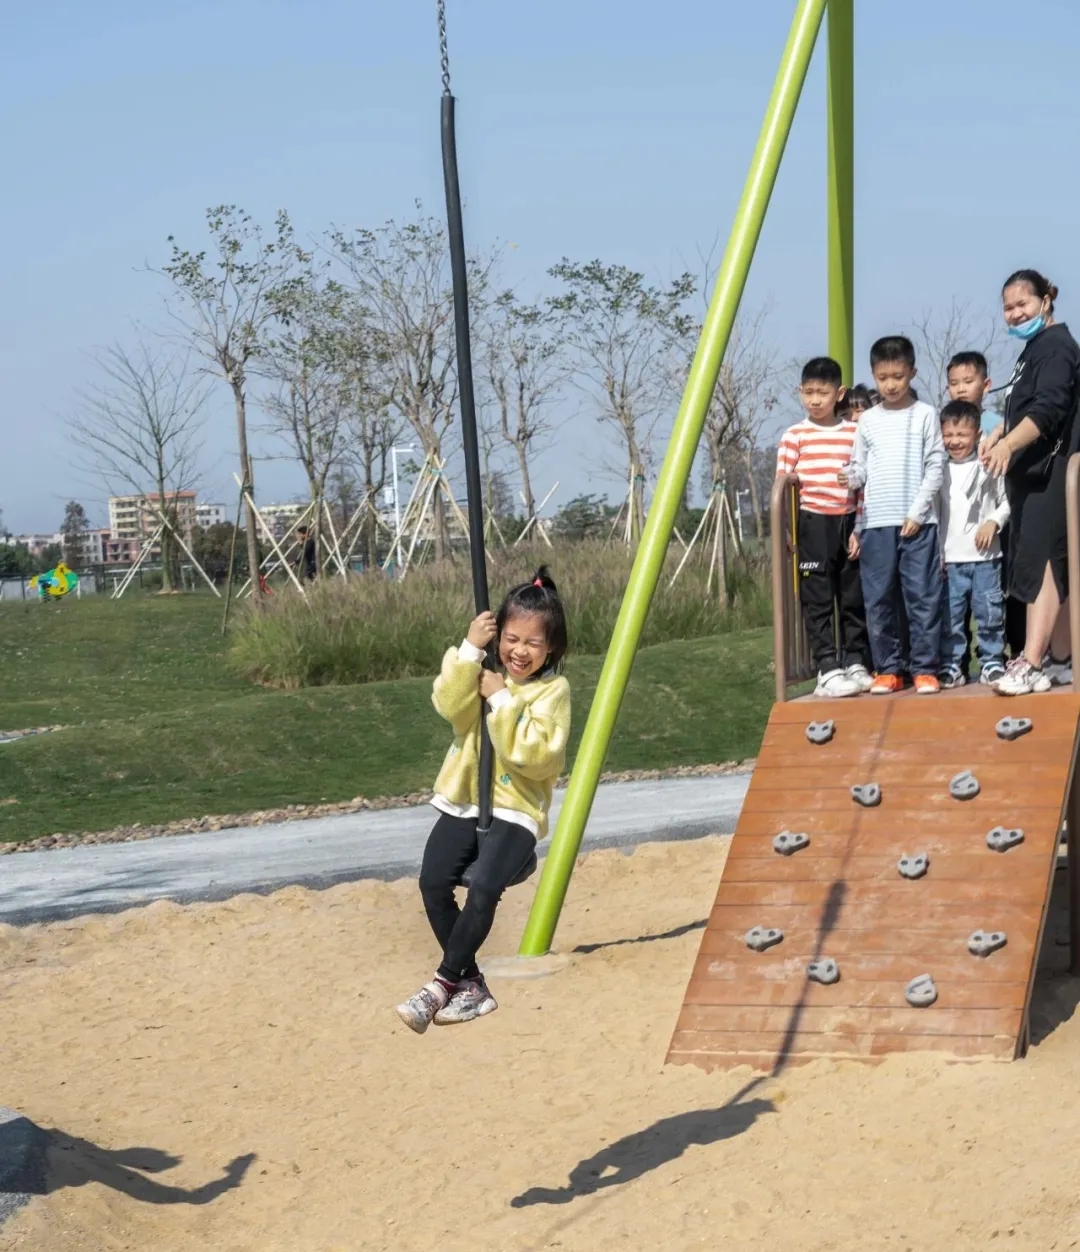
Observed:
{"x":827,"y":578}
{"x":451,"y":848}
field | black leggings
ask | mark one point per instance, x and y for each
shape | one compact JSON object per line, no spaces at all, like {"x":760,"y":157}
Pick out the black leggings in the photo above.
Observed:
{"x":451,"y":848}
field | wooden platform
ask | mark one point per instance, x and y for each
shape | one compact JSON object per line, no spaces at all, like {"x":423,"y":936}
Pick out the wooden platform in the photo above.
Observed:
{"x":843,"y":896}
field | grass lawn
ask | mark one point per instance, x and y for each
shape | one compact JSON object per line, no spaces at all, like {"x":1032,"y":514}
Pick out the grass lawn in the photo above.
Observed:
{"x":158,"y":729}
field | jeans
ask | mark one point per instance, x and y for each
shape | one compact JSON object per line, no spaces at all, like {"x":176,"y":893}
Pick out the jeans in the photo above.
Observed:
{"x":974,"y":588}
{"x":451,"y":848}
{"x":902,"y":575}
{"x":829,"y":585}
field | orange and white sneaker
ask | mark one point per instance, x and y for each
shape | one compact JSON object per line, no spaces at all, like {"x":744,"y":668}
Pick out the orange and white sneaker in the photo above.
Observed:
{"x":886,"y":684}
{"x":926,"y":685}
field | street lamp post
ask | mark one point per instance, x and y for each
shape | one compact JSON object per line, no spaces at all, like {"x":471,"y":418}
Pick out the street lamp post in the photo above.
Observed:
{"x":394,"y":450}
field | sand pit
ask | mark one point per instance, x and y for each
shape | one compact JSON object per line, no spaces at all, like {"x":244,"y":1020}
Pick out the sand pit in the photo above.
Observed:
{"x":232,"y":1076}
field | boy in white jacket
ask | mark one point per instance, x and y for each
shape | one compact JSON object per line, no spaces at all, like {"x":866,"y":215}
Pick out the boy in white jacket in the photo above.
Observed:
{"x":973,"y":509}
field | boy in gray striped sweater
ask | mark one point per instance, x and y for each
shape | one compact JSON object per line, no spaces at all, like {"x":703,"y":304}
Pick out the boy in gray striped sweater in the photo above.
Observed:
{"x":899,"y":463}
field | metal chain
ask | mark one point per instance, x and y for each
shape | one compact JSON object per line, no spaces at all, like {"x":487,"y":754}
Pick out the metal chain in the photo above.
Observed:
{"x":444,"y":54}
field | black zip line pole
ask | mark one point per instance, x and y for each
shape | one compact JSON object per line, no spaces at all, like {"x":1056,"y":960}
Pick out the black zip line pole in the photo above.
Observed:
{"x":466,"y":398}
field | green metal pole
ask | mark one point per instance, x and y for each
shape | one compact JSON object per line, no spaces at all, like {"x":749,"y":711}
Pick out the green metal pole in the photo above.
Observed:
{"x":673,"y":476}
{"x":840,"y":107}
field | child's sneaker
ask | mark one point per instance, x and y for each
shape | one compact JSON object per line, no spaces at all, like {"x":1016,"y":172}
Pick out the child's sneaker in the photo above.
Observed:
{"x":835,"y":684}
{"x":992,"y":673}
{"x":471,"y":999}
{"x":950,"y":678}
{"x":927,"y":684}
{"x":859,"y":675}
{"x":419,"y":1010}
{"x":886,"y":684}
{"x":1022,"y":679}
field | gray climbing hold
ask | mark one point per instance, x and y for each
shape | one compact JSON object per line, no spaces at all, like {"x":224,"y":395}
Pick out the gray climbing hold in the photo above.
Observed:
{"x":1013,"y":727}
{"x":824,"y":971}
{"x":760,"y":939}
{"x":964,"y":786}
{"x":1000,"y":839}
{"x":866,"y":794}
{"x":921,"y":992}
{"x":913,"y":866}
{"x":786,"y":843}
{"x":983,"y":942}
{"x":820,"y":732}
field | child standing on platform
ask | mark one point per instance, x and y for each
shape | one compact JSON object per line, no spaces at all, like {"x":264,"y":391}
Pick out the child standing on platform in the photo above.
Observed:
{"x":815,"y":450}
{"x":899,"y":462}
{"x":528,"y":720}
{"x":973,"y":513}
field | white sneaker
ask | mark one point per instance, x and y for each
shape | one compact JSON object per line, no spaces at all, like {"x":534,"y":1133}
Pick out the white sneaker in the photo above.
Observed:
{"x":836,"y":684}
{"x":859,"y":675}
{"x":419,"y":1010}
{"x":472,"y":999}
{"x":1021,"y":679}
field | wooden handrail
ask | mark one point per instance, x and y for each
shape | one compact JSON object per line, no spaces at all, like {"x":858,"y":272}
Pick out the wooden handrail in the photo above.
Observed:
{"x":1072,"y":520}
{"x":790,"y":647}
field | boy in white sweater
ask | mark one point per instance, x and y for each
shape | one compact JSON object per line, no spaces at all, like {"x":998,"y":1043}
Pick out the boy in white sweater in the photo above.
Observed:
{"x":899,"y":461}
{"x":973,"y":511}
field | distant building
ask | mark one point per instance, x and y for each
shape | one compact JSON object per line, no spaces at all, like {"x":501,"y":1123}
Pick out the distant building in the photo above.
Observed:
{"x":207,"y":515}
{"x":36,"y":544}
{"x":93,"y":544}
{"x":137,"y":517}
{"x":280,"y":517}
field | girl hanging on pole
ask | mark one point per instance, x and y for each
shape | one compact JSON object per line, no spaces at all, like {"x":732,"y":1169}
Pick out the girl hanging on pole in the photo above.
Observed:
{"x":529,"y":724}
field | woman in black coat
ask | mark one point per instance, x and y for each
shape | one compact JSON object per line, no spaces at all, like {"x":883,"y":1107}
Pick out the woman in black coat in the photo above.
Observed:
{"x":1031,"y":448}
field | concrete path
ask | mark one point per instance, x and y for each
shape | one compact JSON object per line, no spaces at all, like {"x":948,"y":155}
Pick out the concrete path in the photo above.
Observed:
{"x":103,"y":878}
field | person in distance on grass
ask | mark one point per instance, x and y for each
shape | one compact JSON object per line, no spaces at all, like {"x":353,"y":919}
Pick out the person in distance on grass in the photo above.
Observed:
{"x":816,"y":450}
{"x":974,"y":512}
{"x":899,"y":462}
{"x":528,"y":720}
{"x":306,"y":565}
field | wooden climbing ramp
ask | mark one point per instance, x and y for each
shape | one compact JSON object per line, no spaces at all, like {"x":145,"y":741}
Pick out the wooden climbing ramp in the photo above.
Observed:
{"x":842,"y":897}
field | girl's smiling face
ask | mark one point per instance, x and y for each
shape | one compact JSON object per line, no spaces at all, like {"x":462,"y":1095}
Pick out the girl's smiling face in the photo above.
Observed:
{"x":523,"y":645}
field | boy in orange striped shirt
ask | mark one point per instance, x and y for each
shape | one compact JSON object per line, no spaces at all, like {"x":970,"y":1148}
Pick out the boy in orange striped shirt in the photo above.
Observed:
{"x":815,"y":450}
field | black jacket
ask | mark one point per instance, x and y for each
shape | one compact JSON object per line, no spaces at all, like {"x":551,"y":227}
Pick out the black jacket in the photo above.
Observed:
{"x":1045,"y":386}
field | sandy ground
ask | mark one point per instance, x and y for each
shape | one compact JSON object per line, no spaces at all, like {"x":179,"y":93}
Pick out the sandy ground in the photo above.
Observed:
{"x":232,"y":1076}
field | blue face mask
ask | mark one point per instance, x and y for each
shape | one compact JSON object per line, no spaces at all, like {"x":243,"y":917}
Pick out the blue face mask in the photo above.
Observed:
{"x":1028,"y":329}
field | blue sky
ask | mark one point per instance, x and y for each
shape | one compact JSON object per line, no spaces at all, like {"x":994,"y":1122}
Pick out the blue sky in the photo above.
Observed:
{"x":620,"y":131}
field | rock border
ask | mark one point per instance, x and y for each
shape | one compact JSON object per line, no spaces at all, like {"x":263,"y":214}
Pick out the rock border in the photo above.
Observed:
{"x":298,"y":812}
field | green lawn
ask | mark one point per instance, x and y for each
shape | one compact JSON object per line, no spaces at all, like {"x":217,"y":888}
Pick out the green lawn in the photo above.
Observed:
{"x":158,"y":729}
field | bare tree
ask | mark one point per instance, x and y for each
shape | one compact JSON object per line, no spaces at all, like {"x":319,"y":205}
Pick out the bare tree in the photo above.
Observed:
{"x":743,"y":403}
{"x":307,"y":361}
{"x":525,"y":367}
{"x":940,"y":335}
{"x":400,"y":275}
{"x":230,"y":302}
{"x":139,"y":428}
{"x":619,"y":331}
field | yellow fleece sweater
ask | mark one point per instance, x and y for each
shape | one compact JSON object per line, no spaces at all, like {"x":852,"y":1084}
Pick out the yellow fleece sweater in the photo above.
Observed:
{"x":529,"y":724}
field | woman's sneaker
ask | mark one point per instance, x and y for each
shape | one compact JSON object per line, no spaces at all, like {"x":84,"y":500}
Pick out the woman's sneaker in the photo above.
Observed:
{"x":835,"y":684}
{"x":992,"y":673}
{"x":1021,"y":679}
{"x":419,"y":1010}
{"x":859,"y":675}
{"x":951,"y":677}
{"x":471,"y":999}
